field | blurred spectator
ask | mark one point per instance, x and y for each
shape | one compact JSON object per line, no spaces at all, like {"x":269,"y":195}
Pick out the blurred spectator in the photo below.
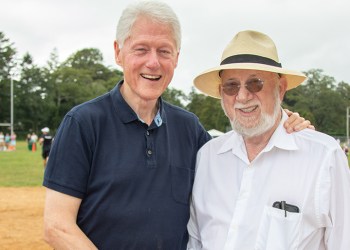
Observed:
{"x":29,"y":142}
{"x":7,"y":140}
{"x":346,"y":149}
{"x":45,"y":140}
{"x":2,"y":141}
{"x":34,"y":140}
{"x":12,"y":145}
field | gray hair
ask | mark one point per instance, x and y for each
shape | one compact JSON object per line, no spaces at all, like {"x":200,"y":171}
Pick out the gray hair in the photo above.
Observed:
{"x":157,"y":11}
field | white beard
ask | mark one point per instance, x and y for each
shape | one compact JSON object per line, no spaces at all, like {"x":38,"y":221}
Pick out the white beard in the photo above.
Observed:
{"x":265,"y":123}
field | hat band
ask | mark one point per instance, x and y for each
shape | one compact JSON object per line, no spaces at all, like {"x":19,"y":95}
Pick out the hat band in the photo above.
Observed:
{"x":248,"y":58}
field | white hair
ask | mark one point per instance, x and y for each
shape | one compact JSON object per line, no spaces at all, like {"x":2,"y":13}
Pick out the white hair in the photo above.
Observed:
{"x":157,"y":11}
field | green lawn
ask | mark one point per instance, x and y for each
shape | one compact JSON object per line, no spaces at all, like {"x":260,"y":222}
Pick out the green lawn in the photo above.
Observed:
{"x":21,"y":167}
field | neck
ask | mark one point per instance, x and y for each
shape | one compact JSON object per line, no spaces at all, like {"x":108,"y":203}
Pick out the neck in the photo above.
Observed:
{"x":254,"y":145}
{"x":145,"y":109}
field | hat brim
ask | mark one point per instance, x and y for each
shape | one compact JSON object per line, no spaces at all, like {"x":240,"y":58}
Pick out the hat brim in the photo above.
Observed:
{"x":208,"y":82}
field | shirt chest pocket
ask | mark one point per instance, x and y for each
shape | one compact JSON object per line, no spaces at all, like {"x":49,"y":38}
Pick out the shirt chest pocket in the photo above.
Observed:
{"x":181,"y":183}
{"x":278,"y":231}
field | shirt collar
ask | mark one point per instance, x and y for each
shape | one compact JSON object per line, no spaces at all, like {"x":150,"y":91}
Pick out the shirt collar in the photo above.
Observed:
{"x":127,"y":114}
{"x":279,"y":139}
{"x":157,"y":119}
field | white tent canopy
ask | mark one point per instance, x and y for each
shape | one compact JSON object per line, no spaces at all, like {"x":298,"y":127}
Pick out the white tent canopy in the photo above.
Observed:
{"x":215,"y":133}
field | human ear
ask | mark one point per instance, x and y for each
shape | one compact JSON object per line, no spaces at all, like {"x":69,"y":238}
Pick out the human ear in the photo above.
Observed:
{"x":283,"y":86}
{"x":117,"y":52}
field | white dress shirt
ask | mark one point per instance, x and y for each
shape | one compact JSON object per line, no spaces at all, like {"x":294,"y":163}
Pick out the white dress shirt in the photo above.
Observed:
{"x":232,"y":198}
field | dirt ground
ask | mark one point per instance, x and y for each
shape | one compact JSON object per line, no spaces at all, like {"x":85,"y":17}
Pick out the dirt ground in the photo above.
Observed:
{"x":21,"y":218}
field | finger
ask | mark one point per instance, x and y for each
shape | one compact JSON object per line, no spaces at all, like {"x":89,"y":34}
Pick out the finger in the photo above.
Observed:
{"x":311,"y":127}
{"x":295,"y":119}
{"x":298,"y":124}
{"x":288,"y":112}
{"x":292,"y":120}
{"x":302,"y":125}
{"x":295,"y":115}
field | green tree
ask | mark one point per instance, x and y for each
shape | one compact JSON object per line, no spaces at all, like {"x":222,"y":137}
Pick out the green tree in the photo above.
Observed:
{"x":79,"y":78}
{"x":322,"y":101}
{"x":175,"y":96}
{"x":209,"y":111}
{"x":29,"y":102}
{"x":7,"y":64}
{"x":296,"y":101}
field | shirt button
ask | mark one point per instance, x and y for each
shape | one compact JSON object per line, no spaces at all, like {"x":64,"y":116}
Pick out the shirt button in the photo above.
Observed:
{"x":149,"y":151}
{"x":147,"y":133}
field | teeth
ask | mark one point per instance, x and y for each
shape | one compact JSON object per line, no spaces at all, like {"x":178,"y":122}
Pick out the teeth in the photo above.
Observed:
{"x":247,"y":110}
{"x":151,"y":77}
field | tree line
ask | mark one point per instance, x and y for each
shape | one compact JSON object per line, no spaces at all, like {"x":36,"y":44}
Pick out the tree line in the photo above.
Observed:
{"x":43,"y":95}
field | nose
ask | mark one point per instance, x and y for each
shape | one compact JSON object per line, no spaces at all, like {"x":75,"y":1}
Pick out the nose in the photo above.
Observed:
{"x":153,"y":60}
{"x":244,"y":94}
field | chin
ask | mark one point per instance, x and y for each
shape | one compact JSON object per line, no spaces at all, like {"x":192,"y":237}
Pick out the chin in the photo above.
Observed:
{"x":152,"y":95}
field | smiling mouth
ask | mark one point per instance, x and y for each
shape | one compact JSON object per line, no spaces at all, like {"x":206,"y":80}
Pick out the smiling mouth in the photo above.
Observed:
{"x":248,"y":109}
{"x":151,"y":77}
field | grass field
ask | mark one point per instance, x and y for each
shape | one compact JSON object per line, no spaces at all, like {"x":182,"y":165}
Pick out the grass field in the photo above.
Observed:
{"x":21,"y":167}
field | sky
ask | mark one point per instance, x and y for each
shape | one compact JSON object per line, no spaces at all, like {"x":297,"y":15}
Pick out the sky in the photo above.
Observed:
{"x":309,"y":34}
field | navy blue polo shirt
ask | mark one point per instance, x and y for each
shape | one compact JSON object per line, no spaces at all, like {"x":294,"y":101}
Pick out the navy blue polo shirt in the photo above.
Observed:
{"x":134,"y":180}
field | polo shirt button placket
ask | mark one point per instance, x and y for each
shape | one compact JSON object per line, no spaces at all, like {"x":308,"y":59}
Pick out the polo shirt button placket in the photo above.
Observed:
{"x":150,"y":153}
{"x":148,"y":150}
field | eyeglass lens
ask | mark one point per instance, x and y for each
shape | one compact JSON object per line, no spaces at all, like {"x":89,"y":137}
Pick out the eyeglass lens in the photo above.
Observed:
{"x":253,"y":85}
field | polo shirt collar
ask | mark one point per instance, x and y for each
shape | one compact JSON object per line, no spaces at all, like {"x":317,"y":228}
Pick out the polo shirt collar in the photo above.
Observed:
{"x":126,"y":113}
{"x":279,"y":139}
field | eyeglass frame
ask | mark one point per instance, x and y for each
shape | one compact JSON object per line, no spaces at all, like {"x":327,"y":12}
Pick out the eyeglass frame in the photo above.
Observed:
{"x":245,"y":85}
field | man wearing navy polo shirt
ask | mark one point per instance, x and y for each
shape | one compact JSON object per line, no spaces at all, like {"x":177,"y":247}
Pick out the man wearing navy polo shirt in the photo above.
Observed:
{"x":121,"y":167}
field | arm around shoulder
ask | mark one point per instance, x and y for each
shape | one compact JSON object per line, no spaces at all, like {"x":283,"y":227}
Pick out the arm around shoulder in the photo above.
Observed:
{"x":60,"y":228}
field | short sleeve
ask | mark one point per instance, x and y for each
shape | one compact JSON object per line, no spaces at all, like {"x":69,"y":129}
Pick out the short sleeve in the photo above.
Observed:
{"x":69,"y":162}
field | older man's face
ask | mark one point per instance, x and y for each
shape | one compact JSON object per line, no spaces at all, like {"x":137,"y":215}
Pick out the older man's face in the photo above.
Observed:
{"x":252,"y":113}
{"x":148,"y":58}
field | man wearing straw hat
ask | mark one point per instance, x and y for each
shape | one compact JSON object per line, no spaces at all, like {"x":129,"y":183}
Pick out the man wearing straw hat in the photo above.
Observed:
{"x":258,"y":187}
{"x":121,"y":168}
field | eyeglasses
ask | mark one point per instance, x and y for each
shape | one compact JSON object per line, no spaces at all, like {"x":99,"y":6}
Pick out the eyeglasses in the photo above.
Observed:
{"x":253,"y":85}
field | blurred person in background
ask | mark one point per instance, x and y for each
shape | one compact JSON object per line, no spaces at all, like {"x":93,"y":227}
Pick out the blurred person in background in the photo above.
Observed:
{"x":2,"y":141}
{"x":33,"y":139}
{"x":45,"y":141}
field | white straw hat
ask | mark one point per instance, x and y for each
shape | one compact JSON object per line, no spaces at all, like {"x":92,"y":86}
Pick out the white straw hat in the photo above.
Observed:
{"x":247,"y":50}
